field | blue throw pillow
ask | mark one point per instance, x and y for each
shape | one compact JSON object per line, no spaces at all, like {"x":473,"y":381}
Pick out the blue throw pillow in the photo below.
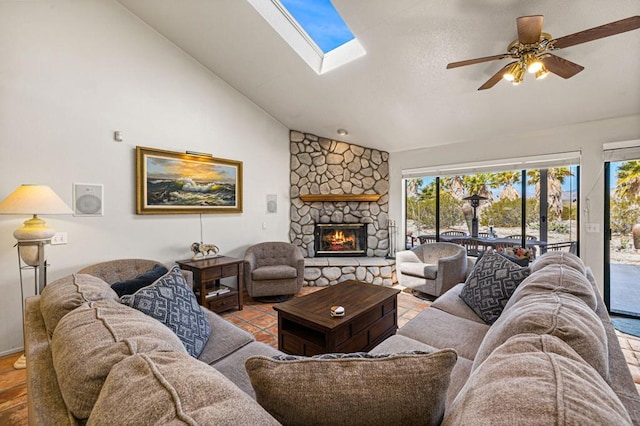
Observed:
{"x":144,"y":279}
{"x":172,"y":302}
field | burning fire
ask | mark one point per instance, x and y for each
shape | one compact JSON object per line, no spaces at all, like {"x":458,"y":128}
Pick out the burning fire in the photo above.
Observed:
{"x":339,"y":241}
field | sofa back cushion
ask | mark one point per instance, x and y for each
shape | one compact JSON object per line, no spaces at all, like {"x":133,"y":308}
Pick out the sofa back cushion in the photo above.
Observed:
{"x":558,"y":314}
{"x":93,"y":338}
{"x":356,"y":389}
{"x":536,"y":380}
{"x":556,"y":278}
{"x":65,"y":294}
{"x":559,"y":258}
{"x":164,"y":388}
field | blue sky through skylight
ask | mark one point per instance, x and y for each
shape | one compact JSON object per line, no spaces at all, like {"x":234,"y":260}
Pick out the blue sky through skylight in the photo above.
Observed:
{"x":321,"y":21}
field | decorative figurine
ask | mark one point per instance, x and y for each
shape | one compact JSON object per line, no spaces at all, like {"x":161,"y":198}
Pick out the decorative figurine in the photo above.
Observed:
{"x":205,"y":250}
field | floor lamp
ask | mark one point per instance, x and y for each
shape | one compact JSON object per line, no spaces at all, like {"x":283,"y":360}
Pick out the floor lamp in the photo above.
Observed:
{"x":34,"y":235}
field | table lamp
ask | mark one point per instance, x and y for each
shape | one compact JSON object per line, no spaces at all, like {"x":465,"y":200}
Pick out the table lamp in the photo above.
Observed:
{"x":34,"y":200}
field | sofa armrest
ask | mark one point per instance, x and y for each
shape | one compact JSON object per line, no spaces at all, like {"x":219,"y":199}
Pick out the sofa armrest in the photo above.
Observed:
{"x":298,"y":261}
{"x":407,"y":256}
{"x":452,"y":270}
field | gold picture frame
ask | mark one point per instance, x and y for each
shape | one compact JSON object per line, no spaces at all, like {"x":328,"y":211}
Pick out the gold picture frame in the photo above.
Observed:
{"x":169,"y":182}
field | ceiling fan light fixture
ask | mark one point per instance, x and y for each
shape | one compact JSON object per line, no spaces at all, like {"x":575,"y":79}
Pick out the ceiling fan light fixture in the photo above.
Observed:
{"x":510,"y":74}
{"x":532,"y":62}
{"x":542,"y":73}
{"x":518,"y":76}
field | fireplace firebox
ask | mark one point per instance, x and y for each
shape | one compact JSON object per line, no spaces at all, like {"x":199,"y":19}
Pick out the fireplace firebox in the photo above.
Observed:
{"x":340,"y":239}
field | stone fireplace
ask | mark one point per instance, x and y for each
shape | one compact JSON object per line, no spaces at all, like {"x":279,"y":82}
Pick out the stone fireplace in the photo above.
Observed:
{"x":340,"y":239}
{"x":335,"y":183}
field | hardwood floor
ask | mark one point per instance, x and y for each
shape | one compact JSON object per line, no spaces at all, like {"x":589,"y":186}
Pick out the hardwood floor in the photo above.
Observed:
{"x":260,"y":320}
{"x":13,"y":392}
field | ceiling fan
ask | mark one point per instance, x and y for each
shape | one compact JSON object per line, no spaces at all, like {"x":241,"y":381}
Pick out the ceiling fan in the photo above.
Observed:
{"x":531,"y":50}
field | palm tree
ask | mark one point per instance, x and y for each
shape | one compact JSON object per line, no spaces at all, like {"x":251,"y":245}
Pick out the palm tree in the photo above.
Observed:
{"x":628,"y":180}
{"x":412,"y":187}
{"x":555,"y":179}
{"x":480,"y":183}
{"x":507,"y":179}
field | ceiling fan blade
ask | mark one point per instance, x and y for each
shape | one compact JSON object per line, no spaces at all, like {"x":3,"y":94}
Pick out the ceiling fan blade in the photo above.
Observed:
{"x":560,"y":66}
{"x":479,"y":60}
{"x":606,"y":30}
{"x":495,"y":78}
{"x":529,"y":28}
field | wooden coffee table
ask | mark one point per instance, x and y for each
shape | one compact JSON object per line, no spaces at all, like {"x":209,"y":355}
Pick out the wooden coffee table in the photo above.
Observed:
{"x":306,"y":327}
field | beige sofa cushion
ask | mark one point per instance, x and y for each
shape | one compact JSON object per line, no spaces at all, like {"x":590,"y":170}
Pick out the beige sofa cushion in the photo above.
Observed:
{"x":93,"y":338}
{"x":442,"y":330}
{"x":556,"y":278}
{"x":163,"y":388}
{"x":558,"y":314}
{"x":559,"y":258}
{"x":354,"y":391}
{"x":64,"y":295}
{"x":422,"y":270}
{"x":548,"y":382}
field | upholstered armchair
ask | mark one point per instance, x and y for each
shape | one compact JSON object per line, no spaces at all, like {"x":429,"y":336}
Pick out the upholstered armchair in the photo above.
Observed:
{"x":432,"y":268}
{"x":273,"y":269}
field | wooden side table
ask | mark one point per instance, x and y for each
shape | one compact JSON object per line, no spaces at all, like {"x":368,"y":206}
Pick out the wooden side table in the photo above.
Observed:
{"x":206,"y":278}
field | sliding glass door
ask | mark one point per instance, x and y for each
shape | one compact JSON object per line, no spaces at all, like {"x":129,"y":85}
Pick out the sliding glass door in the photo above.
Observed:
{"x":541,"y":204}
{"x":622,"y":250}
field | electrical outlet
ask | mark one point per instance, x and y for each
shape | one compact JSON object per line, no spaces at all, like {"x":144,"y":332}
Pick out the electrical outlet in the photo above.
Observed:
{"x":593,"y":227}
{"x":59,"y":238}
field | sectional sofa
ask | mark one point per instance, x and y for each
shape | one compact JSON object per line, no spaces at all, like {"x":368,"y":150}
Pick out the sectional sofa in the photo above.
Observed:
{"x":551,"y":357}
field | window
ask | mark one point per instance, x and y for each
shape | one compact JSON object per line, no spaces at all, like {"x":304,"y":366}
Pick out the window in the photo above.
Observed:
{"x":540,"y":203}
{"x":321,"y":21}
{"x":314,"y":30}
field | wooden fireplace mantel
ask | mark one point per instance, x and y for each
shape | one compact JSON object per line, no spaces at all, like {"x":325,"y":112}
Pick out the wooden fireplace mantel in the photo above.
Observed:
{"x":310,"y":198}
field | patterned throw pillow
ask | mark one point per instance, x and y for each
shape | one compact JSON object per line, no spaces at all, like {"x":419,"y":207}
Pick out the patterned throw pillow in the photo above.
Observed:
{"x":172,"y":302}
{"x":490,"y":285}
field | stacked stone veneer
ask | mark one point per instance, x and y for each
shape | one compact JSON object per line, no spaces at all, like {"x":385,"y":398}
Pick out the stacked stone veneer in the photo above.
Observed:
{"x":321,"y":166}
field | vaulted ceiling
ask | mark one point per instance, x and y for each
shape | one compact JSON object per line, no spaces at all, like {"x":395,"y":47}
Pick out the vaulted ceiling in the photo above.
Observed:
{"x":400,"y":96}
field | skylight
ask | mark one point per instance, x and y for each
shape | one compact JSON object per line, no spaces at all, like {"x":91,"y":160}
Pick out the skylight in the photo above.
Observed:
{"x":313,"y":29}
{"x":321,"y":21}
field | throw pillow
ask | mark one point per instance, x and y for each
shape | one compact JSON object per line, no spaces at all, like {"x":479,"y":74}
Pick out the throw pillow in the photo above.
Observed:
{"x":557,"y":314}
{"x":94,"y":337}
{"x":559,"y":257}
{"x":66,"y":294}
{"x":490,"y":285}
{"x":169,"y":388}
{"x":172,"y":302}
{"x":142,"y":280}
{"x":536,"y":380}
{"x":354,"y":390}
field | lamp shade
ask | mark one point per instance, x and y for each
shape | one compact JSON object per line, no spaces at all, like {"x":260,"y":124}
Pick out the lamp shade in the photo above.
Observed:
{"x":34,"y":199}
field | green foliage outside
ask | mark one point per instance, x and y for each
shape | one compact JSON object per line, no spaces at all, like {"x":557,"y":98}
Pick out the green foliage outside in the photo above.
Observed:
{"x":423,"y":211}
{"x":624,"y":214}
{"x":507,"y":213}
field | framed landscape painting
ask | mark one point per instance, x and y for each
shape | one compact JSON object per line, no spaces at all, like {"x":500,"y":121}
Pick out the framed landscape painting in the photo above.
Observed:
{"x":174,"y":182}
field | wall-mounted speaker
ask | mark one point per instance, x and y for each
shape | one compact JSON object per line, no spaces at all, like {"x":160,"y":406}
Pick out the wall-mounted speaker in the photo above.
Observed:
{"x":272,"y":203}
{"x":88,"y":199}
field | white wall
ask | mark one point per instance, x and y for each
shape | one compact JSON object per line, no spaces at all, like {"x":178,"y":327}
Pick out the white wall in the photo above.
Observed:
{"x":73,"y":72}
{"x":585,"y":137}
